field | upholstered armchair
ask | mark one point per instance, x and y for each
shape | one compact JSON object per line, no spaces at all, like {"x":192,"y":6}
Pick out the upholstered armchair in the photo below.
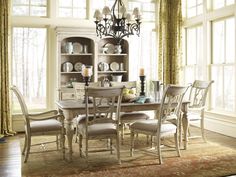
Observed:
{"x":45,"y":123}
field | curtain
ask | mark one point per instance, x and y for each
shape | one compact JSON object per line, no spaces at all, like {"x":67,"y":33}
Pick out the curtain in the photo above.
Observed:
{"x":169,"y":41}
{"x":5,"y":118}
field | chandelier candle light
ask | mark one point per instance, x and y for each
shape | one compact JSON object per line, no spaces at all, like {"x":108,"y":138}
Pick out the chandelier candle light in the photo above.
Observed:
{"x":116,"y":23}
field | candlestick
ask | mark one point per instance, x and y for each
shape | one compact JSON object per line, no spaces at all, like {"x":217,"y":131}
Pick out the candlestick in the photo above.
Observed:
{"x":86,"y":80}
{"x":141,"y":72}
{"x":142,"y":79}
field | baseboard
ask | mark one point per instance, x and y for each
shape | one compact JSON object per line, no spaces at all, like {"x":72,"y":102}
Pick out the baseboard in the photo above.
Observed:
{"x":220,"y":126}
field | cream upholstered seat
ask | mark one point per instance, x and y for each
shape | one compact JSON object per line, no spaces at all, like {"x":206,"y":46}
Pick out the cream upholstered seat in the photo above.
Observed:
{"x":170,"y":109}
{"x":103,"y":125}
{"x":197,"y":98}
{"x":129,"y":117}
{"x":46,"y":123}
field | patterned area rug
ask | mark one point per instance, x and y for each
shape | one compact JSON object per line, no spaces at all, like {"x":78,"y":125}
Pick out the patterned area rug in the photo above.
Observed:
{"x":201,"y":159}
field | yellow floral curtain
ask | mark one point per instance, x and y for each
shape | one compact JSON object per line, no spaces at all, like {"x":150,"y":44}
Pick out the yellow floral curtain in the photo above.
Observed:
{"x":5,"y":119}
{"x":169,"y":40}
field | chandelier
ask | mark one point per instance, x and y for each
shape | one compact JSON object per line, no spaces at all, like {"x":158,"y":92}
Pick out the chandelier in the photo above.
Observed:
{"x":116,"y":23}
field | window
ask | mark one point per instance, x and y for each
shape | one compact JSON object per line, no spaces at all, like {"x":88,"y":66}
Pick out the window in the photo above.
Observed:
{"x":216,"y":4}
{"x":147,"y":9}
{"x":29,"y":65}
{"x":29,"y":7}
{"x":192,"y":8}
{"x":194,"y":54}
{"x":72,"y":8}
{"x":223,"y":65}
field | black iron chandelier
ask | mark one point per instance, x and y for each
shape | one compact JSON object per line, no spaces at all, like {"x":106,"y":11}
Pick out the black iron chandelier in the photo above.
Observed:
{"x":116,"y":23}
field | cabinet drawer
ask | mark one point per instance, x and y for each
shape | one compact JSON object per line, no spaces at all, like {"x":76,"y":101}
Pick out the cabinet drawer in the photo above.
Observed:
{"x":67,"y":96}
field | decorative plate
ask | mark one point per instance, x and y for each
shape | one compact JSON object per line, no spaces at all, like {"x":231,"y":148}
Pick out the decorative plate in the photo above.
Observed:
{"x":67,"y":67}
{"x":78,"y":66}
{"x":77,"y":47}
{"x":114,"y":66}
{"x":102,"y":66}
{"x":110,"y":48}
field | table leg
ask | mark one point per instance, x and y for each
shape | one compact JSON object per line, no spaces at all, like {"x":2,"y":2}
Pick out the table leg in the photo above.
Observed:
{"x":69,"y":131}
{"x":185,"y":124}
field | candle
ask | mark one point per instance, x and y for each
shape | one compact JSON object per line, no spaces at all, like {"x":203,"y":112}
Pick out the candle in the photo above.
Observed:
{"x":86,"y":72}
{"x":141,"y":72}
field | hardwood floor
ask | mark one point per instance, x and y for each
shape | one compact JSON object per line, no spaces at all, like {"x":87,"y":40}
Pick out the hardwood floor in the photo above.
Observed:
{"x":10,"y":158}
{"x":10,"y":152}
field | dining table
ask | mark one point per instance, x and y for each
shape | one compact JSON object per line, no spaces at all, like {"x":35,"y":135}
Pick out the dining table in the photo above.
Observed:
{"x":71,"y":108}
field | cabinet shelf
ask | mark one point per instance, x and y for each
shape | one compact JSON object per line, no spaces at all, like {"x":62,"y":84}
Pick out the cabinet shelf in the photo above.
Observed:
{"x":76,"y":54}
{"x":111,"y":72}
{"x":122,"y":54}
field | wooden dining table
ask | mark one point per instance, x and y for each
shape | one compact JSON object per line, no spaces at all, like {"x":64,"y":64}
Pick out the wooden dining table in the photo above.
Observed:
{"x":72,"y":108}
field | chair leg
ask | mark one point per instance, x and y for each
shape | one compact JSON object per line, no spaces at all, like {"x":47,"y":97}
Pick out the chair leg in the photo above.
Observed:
{"x":177,"y":144}
{"x":57,"y":144}
{"x":86,"y":148}
{"x":122,"y":133}
{"x":76,"y":133}
{"x":111,"y":145}
{"x":25,"y":143}
{"x":159,"y":149}
{"x":203,"y":130}
{"x":27,"y":148}
{"x":118,"y":148}
{"x":63,"y":145}
{"x":131,"y":143}
{"x":80,"y":144}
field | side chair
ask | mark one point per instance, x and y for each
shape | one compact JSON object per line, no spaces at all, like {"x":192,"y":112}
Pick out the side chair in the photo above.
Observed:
{"x":45,"y":123}
{"x":196,"y":108}
{"x":105,"y":112}
{"x":170,"y":109}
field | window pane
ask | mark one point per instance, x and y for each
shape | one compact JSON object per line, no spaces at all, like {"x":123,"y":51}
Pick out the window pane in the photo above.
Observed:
{"x":72,"y":8}
{"x":20,"y":11}
{"x":230,"y":44}
{"x":217,"y":88}
{"x":229,"y":2}
{"x":79,"y":13}
{"x":79,"y":3}
{"x":29,"y":65}
{"x":63,"y":3}
{"x":39,"y":2}
{"x":191,"y":46}
{"x":38,"y":11}
{"x":229,"y":88}
{"x":65,"y":12}
{"x":26,"y":2}
{"x":218,"y":42}
{"x":218,"y":4}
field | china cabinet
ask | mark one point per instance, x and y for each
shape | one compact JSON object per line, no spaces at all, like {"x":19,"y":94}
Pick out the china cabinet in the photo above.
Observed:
{"x":79,"y":47}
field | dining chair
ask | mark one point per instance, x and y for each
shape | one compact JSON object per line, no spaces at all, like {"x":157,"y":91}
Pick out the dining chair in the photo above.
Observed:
{"x":196,"y":108}
{"x":127,"y":118}
{"x":45,"y":123}
{"x":170,"y":109}
{"x":80,"y":95}
{"x":106,"y":117}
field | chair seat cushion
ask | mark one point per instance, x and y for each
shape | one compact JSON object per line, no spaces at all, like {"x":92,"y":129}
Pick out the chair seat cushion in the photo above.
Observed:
{"x":133,"y":116}
{"x":99,"y":129}
{"x":45,"y":125}
{"x":193,"y":116}
{"x":151,"y":126}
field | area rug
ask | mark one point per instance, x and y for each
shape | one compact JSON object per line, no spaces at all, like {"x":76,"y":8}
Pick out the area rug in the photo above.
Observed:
{"x":209,"y":159}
